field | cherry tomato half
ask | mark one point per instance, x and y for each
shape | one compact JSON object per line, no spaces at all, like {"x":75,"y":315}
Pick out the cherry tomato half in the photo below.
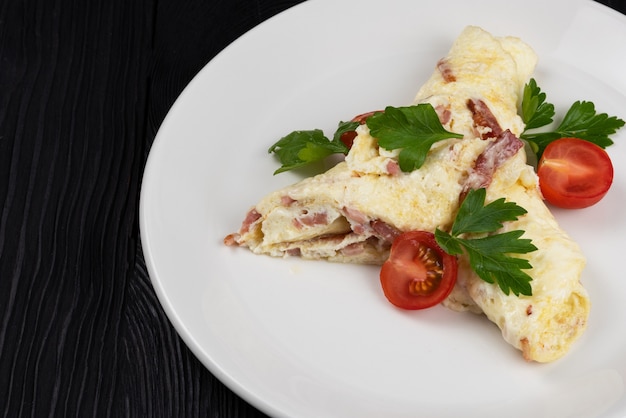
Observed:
{"x":348,"y":137}
{"x":574,"y":173}
{"x":418,"y":273}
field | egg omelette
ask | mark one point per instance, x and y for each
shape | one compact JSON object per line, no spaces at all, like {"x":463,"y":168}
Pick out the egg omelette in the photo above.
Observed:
{"x":352,"y":212}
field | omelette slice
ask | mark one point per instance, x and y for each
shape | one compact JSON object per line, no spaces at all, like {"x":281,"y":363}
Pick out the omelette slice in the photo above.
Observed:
{"x":353,"y":212}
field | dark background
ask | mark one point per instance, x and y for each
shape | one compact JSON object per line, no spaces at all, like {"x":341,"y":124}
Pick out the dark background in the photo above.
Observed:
{"x":84,"y":86}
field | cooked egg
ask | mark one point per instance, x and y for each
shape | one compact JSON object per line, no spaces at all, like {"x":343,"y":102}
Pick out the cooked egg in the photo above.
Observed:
{"x":352,"y":212}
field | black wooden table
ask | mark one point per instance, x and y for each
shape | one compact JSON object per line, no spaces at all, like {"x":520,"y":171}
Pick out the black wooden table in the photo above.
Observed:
{"x":84,"y":86}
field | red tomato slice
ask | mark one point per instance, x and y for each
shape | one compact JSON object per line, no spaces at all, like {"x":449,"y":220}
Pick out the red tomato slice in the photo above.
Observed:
{"x":348,"y":137}
{"x":418,"y":273}
{"x":574,"y":173}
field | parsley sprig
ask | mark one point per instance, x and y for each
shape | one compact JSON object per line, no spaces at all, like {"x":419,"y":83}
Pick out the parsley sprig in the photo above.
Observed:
{"x":301,"y":148}
{"x":412,"y":129}
{"x":536,"y":112}
{"x":581,"y":121}
{"x":490,"y":254}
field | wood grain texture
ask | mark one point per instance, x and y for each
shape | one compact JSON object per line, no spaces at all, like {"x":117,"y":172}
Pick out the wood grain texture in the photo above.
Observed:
{"x":84,"y":87}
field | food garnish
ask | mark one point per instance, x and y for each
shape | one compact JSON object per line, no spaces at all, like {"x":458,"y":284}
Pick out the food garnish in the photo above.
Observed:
{"x":301,"y":148}
{"x":581,"y":121}
{"x":489,"y":255}
{"x":414,"y":129}
{"x":574,"y":173}
{"x":422,"y":269}
{"x":347,"y":136}
{"x":418,"y":274}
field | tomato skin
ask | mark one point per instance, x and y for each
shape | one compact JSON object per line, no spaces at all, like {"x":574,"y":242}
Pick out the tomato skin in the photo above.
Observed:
{"x":403,"y":277}
{"x":362,"y":118}
{"x":348,"y":137}
{"x":574,"y":173}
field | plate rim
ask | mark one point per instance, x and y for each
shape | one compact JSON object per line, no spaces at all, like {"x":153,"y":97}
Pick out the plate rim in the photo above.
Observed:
{"x":223,"y":375}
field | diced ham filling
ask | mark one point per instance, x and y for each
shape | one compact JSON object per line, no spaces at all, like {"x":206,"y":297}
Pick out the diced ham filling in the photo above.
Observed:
{"x":393,"y":168}
{"x":444,"y":113}
{"x":311,"y":219}
{"x":384,"y":230}
{"x":485,"y":122}
{"x":505,"y":146}
{"x":353,"y":249}
{"x":231,"y":239}
{"x":446,"y":71}
{"x":355,"y":216}
{"x":362,"y":225}
{"x":251,"y":217}
{"x":287,"y":201}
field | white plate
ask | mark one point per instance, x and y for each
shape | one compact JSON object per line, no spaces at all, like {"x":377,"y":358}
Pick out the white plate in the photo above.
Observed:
{"x":311,"y":339}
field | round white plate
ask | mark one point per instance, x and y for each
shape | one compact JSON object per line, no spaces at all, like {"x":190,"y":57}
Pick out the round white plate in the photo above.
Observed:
{"x":315,"y":339}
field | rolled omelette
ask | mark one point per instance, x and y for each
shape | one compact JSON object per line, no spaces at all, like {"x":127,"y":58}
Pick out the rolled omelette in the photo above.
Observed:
{"x":353,"y":212}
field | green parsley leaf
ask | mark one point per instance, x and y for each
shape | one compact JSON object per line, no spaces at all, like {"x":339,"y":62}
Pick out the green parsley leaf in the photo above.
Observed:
{"x":300,"y":148}
{"x":535,"y":111}
{"x":412,"y":129}
{"x":475,"y":218}
{"x":580,"y":121}
{"x":343,"y":128}
{"x":498,"y":266}
{"x":490,"y":256}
